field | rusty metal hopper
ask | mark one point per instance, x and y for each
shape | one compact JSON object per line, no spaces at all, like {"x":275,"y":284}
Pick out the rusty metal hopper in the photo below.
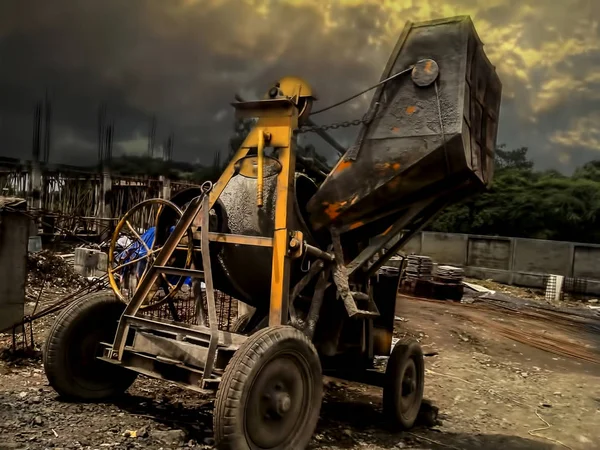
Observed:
{"x":430,"y":136}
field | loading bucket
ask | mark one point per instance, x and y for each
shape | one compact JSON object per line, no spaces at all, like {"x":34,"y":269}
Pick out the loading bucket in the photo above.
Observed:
{"x":433,"y":128}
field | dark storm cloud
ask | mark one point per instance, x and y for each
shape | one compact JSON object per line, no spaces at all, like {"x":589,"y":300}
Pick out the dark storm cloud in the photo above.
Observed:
{"x":183,"y":61}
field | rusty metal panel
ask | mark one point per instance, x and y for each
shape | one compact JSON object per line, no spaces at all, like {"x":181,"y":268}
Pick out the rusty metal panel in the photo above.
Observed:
{"x":424,"y":141}
{"x":186,"y":353}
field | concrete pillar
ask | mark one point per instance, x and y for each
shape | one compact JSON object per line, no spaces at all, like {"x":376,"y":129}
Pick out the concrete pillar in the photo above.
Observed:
{"x":104,"y":211}
{"x":165,"y":183}
{"x":571,"y":270}
{"x":35,"y":186}
{"x":512,"y":261}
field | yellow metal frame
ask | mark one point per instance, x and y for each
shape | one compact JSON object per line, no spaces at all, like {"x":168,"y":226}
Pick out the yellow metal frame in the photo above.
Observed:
{"x":277,"y":121}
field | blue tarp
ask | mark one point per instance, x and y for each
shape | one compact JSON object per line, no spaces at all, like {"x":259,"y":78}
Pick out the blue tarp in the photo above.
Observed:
{"x":138,"y":250}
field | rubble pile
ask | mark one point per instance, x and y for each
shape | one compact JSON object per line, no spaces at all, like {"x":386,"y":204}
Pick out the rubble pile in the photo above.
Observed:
{"x":48,"y":268}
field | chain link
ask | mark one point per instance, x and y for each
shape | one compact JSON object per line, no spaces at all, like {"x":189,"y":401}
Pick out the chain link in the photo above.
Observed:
{"x":333,"y":126}
{"x":366,"y":120}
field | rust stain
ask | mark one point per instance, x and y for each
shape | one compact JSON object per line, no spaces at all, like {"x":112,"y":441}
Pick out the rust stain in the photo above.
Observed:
{"x":334,"y":209}
{"x":342,"y":166}
{"x":387,"y":231}
{"x":382,"y":167}
{"x":427,"y":67}
{"x":393,"y":183}
{"x":395,"y":129}
{"x":411,"y":109}
{"x":356,"y":225}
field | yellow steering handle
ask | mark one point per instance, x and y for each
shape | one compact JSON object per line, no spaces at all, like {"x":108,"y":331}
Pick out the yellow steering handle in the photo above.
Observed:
{"x":260,"y":168}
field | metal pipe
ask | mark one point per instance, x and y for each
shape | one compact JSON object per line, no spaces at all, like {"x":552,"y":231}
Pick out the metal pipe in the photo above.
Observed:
{"x":316,"y":304}
{"x":311,"y":250}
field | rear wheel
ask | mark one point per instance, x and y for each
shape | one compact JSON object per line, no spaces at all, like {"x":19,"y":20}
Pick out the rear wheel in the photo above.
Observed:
{"x":270,"y":395}
{"x":240,"y":324}
{"x":72,"y":347}
{"x":404,"y":383}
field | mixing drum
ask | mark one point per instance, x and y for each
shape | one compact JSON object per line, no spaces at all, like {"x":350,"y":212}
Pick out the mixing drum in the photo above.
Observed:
{"x":244,"y":271}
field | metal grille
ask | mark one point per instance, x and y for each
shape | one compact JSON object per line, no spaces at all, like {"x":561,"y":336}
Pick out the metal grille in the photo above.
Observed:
{"x":185,"y":306}
{"x":576,"y":287}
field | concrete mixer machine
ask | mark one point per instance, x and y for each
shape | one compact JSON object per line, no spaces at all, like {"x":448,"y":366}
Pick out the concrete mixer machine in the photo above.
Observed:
{"x":306,"y":249}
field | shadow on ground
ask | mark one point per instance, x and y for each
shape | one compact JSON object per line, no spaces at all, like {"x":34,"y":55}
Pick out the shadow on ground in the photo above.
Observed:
{"x":349,"y":424}
{"x":344,"y":424}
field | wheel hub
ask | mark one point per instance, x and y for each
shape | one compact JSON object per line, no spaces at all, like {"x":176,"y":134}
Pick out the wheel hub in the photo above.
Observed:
{"x":278,"y":400}
{"x":283,"y":403}
{"x":408,"y":386}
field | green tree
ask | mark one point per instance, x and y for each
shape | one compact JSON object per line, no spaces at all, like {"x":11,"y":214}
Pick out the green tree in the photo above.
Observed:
{"x":512,"y":159}
{"x":589,"y":171}
{"x":526,"y":203}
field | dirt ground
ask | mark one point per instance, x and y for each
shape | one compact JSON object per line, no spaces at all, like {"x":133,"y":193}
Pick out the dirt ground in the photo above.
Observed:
{"x":501,"y":379}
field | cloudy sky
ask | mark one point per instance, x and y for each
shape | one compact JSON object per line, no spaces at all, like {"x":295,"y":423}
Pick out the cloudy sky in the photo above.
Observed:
{"x":183,"y":60}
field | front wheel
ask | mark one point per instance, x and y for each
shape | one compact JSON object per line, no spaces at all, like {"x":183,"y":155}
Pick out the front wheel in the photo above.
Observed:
{"x":404,"y":383}
{"x":271,"y":392}
{"x":72,"y":347}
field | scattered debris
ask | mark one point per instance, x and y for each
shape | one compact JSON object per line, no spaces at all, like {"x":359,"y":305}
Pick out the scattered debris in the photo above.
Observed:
{"x":477,"y":287}
{"x":169,"y":437}
{"x":471,"y":384}
{"x":47,"y":268}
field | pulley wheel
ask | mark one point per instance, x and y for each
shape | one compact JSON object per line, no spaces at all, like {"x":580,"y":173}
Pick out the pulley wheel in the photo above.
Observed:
{"x":270,"y":395}
{"x":404,"y":383}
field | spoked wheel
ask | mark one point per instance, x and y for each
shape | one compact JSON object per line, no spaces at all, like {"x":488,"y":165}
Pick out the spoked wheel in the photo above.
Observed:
{"x":270,"y":395}
{"x":73,"y":345}
{"x":137,"y":240}
{"x":404,"y":383}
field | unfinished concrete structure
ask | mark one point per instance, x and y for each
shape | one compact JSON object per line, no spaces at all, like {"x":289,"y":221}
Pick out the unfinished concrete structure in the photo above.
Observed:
{"x":82,"y":202}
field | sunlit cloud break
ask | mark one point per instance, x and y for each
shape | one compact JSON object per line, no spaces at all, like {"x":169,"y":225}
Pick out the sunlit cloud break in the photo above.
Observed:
{"x":183,"y":60}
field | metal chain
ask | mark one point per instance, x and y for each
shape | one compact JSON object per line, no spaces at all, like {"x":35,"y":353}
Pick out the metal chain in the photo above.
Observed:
{"x":377,"y":112}
{"x":366,"y":119}
{"x":333,"y":126}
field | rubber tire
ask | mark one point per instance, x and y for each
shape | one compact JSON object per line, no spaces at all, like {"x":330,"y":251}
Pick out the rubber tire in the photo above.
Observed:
{"x":89,"y":313}
{"x":239,"y":376}
{"x":403,"y":352}
{"x":240,"y":323}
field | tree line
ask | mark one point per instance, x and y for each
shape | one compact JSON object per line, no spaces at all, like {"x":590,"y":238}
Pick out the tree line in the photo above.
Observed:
{"x":523,"y":202}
